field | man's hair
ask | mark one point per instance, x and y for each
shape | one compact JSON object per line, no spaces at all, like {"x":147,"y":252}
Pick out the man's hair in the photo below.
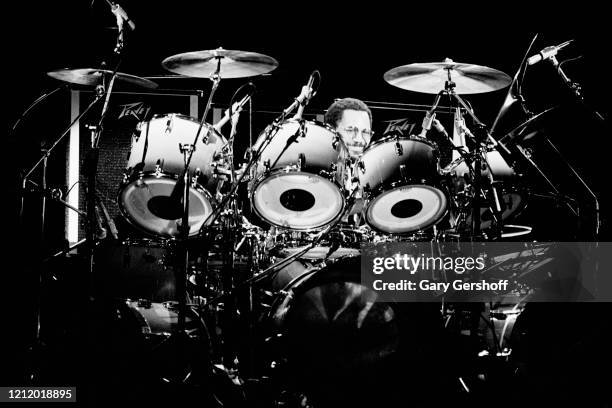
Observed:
{"x":335,"y":111}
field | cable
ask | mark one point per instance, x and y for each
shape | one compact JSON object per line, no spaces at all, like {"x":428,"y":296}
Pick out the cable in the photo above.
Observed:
{"x":33,"y":104}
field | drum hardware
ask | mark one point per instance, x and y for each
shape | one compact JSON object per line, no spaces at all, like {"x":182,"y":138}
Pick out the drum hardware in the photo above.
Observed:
{"x":104,"y":81}
{"x":457,"y":79}
{"x":399,"y":150}
{"x":260,"y":276}
{"x":403,"y":193}
{"x":431,"y":77}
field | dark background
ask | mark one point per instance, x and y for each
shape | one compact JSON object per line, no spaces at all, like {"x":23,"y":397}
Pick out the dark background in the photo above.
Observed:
{"x":352,"y":45}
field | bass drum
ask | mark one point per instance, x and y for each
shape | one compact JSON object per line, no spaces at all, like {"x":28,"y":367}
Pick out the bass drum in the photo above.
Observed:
{"x":337,"y":336}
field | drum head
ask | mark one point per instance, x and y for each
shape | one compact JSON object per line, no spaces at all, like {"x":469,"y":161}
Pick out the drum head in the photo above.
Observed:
{"x":406,"y":209}
{"x":144,"y":203}
{"x":298,"y":200}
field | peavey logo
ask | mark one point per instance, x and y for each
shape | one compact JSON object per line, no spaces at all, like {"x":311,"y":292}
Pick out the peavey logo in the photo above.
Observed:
{"x":402,"y":126}
{"x":137,"y":110}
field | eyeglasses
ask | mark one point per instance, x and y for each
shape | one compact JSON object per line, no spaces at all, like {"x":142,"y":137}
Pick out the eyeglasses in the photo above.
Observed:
{"x":365,"y":133}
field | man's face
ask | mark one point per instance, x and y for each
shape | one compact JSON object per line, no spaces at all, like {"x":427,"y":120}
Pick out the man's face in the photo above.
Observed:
{"x":355,"y":129}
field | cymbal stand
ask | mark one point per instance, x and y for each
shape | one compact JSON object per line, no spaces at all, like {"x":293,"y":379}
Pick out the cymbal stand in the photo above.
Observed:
{"x":482,"y":138}
{"x":230,"y":197}
{"x":268,"y":134}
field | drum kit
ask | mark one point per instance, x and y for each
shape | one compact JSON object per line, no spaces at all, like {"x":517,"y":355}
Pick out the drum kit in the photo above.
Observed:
{"x":180,"y":191}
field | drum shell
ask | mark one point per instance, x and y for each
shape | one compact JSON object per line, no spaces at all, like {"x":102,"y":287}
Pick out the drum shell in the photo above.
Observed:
{"x":321,"y":147}
{"x":400,"y":179}
{"x":137,"y":269}
{"x":298,"y":181}
{"x":154,"y":165}
{"x":156,"y":148}
{"x":393,"y":162}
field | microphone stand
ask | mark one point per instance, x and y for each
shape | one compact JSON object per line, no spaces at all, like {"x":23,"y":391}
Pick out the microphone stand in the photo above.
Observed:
{"x":46,"y":153}
{"x":576,"y":90}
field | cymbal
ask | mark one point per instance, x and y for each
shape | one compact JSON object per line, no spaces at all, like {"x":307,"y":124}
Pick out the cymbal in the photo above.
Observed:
{"x":233,"y":64}
{"x":527,"y":128}
{"x":431,"y":77}
{"x":93,"y":77}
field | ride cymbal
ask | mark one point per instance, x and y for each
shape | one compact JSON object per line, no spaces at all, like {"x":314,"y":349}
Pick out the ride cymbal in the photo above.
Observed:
{"x":431,"y":77}
{"x":230,"y":63}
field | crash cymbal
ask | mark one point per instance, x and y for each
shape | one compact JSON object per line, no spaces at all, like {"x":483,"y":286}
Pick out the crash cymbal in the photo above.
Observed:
{"x":93,"y":77}
{"x":233,"y":64}
{"x":431,"y":77}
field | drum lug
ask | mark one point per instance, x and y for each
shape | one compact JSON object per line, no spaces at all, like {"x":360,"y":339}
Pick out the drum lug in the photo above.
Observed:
{"x":144,"y":303}
{"x":196,"y":177}
{"x":329,"y":174}
{"x":159,"y":168}
{"x":169,"y":125}
{"x":266,"y":164}
{"x":301,"y":163}
{"x":403,"y":172}
{"x":137,"y":132}
{"x":399,"y":150}
{"x":206,"y":136}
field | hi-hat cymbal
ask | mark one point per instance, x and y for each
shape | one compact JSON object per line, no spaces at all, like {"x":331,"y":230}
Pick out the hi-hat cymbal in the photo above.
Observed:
{"x":94,"y":76}
{"x":431,"y":77}
{"x":231,"y":63}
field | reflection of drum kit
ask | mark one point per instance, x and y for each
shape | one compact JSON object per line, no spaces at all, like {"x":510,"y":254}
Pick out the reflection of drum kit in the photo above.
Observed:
{"x":302,"y":183}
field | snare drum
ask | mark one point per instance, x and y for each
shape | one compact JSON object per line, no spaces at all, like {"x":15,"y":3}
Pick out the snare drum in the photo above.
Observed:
{"x":400,"y":181}
{"x":154,"y":165}
{"x":299,"y":177}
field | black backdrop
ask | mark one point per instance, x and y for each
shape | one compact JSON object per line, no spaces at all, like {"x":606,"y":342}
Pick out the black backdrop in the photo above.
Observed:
{"x":351,"y":44}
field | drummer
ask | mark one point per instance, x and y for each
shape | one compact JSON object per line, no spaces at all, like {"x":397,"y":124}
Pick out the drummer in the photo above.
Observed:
{"x":352,"y":119}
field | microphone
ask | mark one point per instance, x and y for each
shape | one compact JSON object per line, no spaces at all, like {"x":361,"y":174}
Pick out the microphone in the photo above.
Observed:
{"x":436,"y":124}
{"x":121,"y":15}
{"x":547,"y":53}
{"x":235,"y":110}
{"x":109,"y":221}
{"x":427,"y":121}
{"x":305,"y":96}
